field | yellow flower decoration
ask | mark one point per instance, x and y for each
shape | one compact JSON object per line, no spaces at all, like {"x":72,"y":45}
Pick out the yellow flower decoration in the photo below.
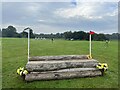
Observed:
{"x":25,"y":72}
{"x":102,"y":66}
{"x":21,"y":71}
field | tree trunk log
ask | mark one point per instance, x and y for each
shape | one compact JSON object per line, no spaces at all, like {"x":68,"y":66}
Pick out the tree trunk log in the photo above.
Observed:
{"x":63,"y":74}
{"x":61,"y":57}
{"x":57,"y":65}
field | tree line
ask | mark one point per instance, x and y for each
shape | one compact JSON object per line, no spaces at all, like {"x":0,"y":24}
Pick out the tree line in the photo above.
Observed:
{"x":11,"y":31}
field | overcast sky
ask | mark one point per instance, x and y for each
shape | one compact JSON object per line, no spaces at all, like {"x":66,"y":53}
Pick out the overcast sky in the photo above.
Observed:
{"x":53,"y":17}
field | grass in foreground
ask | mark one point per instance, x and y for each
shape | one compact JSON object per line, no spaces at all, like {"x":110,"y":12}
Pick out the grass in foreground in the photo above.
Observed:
{"x":14,"y":55}
{"x":0,"y":64}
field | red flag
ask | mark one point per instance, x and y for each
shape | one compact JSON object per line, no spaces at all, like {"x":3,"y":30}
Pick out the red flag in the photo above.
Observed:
{"x":91,"y":32}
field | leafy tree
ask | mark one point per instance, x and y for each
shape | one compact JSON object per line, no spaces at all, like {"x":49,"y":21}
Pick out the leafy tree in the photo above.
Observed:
{"x":0,"y":33}
{"x":101,"y":37}
{"x":31,"y":34}
{"x":68,"y":35}
{"x":24,"y":34}
{"x":10,"y":31}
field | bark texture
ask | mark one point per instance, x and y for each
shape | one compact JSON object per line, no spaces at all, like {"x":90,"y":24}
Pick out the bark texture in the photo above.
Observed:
{"x":63,"y":74}
{"x":61,"y":57}
{"x":61,"y":67}
{"x":57,"y":65}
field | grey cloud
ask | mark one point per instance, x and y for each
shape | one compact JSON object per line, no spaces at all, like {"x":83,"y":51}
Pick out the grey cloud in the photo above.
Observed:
{"x":41,"y":16}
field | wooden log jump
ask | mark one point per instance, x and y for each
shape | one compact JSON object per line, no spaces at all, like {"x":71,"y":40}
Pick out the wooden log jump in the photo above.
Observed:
{"x":57,"y":65}
{"x":61,"y":67}
{"x":63,"y":74}
{"x":60,"y":57}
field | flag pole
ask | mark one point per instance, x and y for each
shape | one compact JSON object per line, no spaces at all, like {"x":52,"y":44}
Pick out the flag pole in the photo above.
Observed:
{"x":28,"y":44}
{"x":90,"y":47}
{"x":28,"y":41}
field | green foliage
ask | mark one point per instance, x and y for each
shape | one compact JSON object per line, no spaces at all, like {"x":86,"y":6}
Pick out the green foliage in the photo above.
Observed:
{"x":24,"y":34}
{"x":11,"y":31}
{"x":14,"y":55}
{"x":31,"y":34}
{"x":99,"y":37}
{"x":0,"y":33}
{"x":81,"y":35}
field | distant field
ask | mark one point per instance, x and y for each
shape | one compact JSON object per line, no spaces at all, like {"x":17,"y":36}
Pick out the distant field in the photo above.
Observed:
{"x":14,"y":55}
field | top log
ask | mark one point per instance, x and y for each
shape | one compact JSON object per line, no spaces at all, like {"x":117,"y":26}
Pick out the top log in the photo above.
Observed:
{"x":61,"y":57}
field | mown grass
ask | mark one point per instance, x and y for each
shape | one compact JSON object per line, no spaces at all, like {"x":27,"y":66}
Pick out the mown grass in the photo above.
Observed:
{"x":14,"y":55}
{"x":0,"y":63}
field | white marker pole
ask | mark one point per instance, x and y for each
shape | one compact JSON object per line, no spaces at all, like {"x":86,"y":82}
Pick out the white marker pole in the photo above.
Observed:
{"x":90,"y":45}
{"x":28,"y":44}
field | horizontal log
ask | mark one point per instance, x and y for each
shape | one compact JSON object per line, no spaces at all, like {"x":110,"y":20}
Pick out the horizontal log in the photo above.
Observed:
{"x":63,"y":74}
{"x":57,"y":65}
{"x":61,"y":57}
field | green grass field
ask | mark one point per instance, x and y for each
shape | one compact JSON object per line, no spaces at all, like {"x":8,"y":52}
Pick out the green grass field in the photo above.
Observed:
{"x":14,"y":55}
{"x":0,"y":64}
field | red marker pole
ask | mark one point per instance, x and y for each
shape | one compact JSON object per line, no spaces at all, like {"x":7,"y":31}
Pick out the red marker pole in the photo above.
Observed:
{"x":90,"y":48}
